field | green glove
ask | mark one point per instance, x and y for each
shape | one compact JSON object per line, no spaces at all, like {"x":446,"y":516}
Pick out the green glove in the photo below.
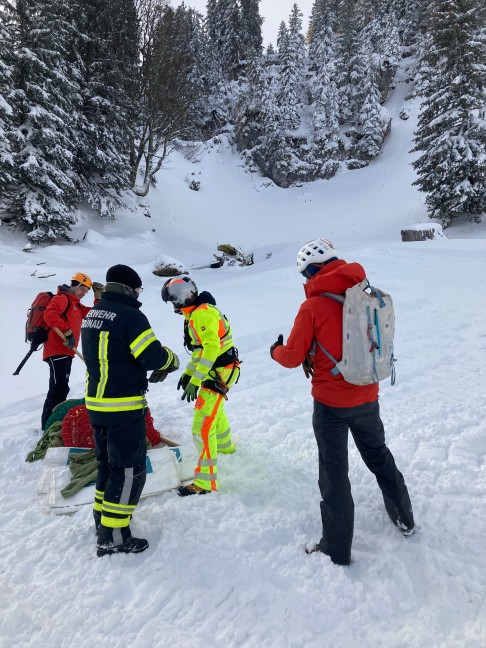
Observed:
{"x":190,"y":392}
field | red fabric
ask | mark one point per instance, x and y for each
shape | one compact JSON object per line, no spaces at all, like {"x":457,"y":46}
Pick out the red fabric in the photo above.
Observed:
{"x":72,"y":320}
{"x":76,"y":428}
{"x":153,"y":435}
{"x":78,"y":433}
{"x":322,"y":318}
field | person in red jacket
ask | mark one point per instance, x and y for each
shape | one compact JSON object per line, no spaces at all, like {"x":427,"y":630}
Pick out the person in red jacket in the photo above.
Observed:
{"x":339,"y":406}
{"x":64,"y":312}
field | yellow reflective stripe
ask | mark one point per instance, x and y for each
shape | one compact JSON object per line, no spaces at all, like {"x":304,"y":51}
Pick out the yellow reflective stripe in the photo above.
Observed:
{"x":142,"y":342}
{"x":121,"y":509}
{"x":103,"y":360}
{"x":222,"y":446}
{"x":124,"y":404}
{"x":205,"y":463}
{"x":206,"y":478}
{"x":206,"y":363}
{"x":115,"y":523}
{"x":170,"y":358}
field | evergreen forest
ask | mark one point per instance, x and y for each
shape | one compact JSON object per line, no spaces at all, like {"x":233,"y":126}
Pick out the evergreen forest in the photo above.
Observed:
{"x":95,"y":94}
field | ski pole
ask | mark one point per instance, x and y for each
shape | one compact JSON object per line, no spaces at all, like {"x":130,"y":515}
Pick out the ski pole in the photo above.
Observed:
{"x":27,"y":356}
{"x":61,"y":335}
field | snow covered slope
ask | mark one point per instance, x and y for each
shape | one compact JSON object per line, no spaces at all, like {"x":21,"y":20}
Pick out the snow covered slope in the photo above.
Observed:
{"x":230,"y":570}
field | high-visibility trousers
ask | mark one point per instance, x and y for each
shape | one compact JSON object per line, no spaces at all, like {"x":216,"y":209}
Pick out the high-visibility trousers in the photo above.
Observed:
{"x":211,"y":430}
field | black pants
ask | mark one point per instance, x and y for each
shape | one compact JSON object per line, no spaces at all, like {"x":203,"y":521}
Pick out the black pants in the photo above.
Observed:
{"x":59,"y":372}
{"x":121,"y":451}
{"x":331,"y":425}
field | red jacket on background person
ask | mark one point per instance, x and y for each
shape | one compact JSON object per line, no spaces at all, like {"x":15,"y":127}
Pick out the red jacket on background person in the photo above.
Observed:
{"x":321,"y":318}
{"x":54,"y":317}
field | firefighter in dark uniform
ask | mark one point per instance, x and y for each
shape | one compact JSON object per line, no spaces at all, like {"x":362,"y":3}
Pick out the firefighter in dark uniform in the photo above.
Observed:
{"x":119,"y":347}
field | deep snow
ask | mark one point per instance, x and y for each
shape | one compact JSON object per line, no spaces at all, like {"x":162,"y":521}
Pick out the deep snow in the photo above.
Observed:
{"x":229,"y":570}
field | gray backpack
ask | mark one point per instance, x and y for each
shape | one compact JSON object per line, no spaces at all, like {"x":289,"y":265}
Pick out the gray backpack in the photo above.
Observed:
{"x":368,"y":331}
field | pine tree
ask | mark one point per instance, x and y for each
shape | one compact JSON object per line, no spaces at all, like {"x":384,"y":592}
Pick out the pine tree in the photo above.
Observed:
{"x":8,"y":28}
{"x":451,"y":134}
{"x":231,"y":47}
{"x":252,"y":42}
{"x":325,"y":94}
{"x":291,"y":69}
{"x":282,"y":40}
{"x":350,"y":68}
{"x":370,"y":116}
{"x":45,"y":106}
{"x":110,"y":57}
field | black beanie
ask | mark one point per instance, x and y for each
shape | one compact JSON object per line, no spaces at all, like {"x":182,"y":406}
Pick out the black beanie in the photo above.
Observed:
{"x":123,"y":274}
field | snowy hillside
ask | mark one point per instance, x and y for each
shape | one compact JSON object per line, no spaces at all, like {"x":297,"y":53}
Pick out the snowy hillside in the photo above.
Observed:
{"x":230,"y":570}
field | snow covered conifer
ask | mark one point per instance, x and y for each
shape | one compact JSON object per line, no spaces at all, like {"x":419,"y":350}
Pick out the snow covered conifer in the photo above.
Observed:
{"x":45,"y":107}
{"x":325,"y":94}
{"x":230,"y":38}
{"x":350,"y":67}
{"x":291,"y":58}
{"x":8,"y":27}
{"x":451,"y":133}
{"x":373,"y":124}
{"x":251,"y":28}
{"x":110,"y":57}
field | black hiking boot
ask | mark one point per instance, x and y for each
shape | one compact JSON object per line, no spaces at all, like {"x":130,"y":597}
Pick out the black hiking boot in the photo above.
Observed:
{"x":311,"y":549}
{"x":406,"y":533}
{"x":132,"y":545}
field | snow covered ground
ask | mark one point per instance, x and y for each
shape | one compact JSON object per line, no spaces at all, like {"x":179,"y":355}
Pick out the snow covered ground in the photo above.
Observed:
{"x":230,"y":570}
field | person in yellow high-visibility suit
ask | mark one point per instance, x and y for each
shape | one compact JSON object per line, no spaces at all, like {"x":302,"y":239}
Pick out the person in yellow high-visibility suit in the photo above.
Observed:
{"x":213,"y":368}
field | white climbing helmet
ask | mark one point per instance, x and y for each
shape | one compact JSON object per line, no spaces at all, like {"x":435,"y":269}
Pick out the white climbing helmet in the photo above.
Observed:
{"x":180,"y":291}
{"x":317,"y":251}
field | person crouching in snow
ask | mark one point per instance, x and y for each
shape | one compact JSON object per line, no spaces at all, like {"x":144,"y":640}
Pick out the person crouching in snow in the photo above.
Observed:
{"x":212,"y":370}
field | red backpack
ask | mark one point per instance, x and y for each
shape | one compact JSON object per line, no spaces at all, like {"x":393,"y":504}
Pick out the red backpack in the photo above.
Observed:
{"x":36,"y":328}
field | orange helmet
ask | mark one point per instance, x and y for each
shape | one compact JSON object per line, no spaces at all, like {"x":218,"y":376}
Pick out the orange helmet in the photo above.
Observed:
{"x":83,"y":279}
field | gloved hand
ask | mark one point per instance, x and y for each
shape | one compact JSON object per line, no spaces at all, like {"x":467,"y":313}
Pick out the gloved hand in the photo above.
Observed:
{"x":183,"y":381}
{"x":97,"y":289}
{"x":308,"y":366}
{"x":158,"y":375}
{"x":69,"y":341}
{"x":279,"y":342}
{"x":190,"y":392}
{"x":173,"y":361}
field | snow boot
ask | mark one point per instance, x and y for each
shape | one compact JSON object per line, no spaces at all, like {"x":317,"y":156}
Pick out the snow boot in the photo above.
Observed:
{"x":132,"y":545}
{"x":317,"y":549}
{"x":128,"y":544}
{"x":191,"y":489}
{"x":406,"y":533}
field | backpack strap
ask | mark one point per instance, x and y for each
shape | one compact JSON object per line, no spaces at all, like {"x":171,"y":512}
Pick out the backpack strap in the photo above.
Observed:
{"x":335,"y":371}
{"x":379,"y":295}
{"x":63,"y":314}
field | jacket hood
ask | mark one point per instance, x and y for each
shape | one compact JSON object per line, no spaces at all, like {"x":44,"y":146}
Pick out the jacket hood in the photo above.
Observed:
{"x":67,"y":292}
{"x":335,"y":277}
{"x":204,"y":298}
{"x":121,"y":293}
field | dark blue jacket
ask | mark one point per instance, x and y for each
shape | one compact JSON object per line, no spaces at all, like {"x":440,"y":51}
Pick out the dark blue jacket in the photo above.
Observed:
{"x":119,"y":347}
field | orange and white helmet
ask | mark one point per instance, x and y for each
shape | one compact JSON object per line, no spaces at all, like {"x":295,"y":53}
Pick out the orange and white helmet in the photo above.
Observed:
{"x":180,"y":291}
{"x":318,"y":250}
{"x":82,"y":279}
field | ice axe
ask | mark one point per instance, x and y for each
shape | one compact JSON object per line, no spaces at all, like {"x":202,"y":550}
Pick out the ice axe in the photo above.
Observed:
{"x":27,"y":356}
{"x":61,"y":335}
